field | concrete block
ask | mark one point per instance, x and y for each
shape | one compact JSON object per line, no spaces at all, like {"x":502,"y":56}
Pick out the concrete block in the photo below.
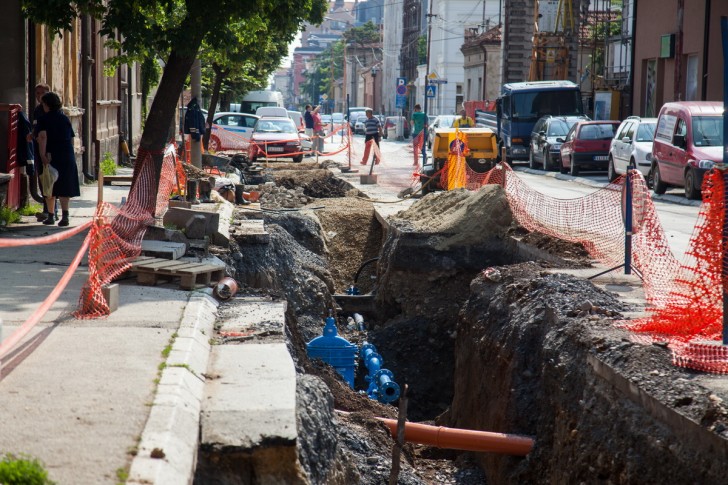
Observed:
{"x":251,"y":232}
{"x":179,"y":204}
{"x":196,"y":227}
{"x":179,"y":218}
{"x":256,"y":313}
{"x":221,"y":236}
{"x":111,"y":294}
{"x":253,"y":402}
{"x":164,"y":249}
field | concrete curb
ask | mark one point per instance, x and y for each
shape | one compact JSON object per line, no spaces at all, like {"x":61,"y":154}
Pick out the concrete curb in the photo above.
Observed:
{"x":174,"y":420}
{"x":672,"y":199}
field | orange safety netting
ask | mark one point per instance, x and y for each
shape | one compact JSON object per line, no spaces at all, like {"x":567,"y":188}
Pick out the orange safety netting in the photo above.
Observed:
{"x":685,"y":300}
{"x":117,"y":232}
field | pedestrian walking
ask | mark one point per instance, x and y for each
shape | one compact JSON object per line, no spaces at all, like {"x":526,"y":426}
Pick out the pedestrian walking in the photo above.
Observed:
{"x":308,"y":121}
{"x":38,"y":112}
{"x":318,"y":130}
{"x":55,"y":142}
{"x":419,"y":122}
{"x":372,"y":132}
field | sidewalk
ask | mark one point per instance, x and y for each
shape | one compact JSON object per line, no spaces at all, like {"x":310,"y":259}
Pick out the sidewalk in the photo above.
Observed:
{"x":76,"y":394}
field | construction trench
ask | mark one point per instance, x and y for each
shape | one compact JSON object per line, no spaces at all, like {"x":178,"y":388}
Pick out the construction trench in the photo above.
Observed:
{"x":484,"y":324}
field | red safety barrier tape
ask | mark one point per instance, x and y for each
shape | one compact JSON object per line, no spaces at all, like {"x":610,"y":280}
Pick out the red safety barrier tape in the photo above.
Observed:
{"x":15,"y":337}
{"x":50,"y":239}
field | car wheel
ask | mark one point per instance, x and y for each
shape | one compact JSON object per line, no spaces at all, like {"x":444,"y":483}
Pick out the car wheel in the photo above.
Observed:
{"x":547,"y":164}
{"x":611,"y":172}
{"x":298,"y":159}
{"x":573,"y":169}
{"x":531,"y":161}
{"x":691,"y":192}
{"x":658,"y":186}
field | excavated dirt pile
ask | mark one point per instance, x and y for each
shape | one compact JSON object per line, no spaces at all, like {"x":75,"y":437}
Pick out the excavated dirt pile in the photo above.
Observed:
{"x":432,"y":252}
{"x":539,"y":354}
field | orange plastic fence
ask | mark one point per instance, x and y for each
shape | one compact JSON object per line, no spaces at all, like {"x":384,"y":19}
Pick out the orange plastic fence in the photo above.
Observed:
{"x":115,"y":238}
{"x":685,"y":300}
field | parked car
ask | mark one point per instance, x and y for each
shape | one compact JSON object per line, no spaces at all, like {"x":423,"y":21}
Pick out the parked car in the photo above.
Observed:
{"x":688,"y":142}
{"x":587,"y":146}
{"x":275,"y":111}
{"x":276,"y":136}
{"x":390,"y":127}
{"x":355,"y":113}
{"x":545,"y":149}
{"x":631,"y":145}
{"x":442,"y":121}
{"x":297,"y":118}
{"x":357,"y":122}
{"x":240,"y":124}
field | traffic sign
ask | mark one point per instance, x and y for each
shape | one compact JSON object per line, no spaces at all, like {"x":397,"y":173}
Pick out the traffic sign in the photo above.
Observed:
{"x":325,"y":96}
{"x":402,"y":86}
{"x":431,"y":91}
{"x":400,"y":101}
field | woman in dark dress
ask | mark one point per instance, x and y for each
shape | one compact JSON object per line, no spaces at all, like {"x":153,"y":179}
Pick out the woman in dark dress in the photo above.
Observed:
{"x":55,"y":140}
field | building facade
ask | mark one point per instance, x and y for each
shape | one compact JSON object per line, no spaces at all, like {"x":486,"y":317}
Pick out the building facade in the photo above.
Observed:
{"x":677,"y":53}
{"x":482,"y":62}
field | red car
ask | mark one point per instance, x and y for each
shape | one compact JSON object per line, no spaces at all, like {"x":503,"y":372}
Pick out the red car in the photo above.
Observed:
{"x":277,"y":138}
{"x":587,"y":146}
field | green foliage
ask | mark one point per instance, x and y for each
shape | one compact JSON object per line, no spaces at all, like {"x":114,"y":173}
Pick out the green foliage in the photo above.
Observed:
{"x":22,"y":470}
{"x":108,"y":164}
{"x":422,"y":49}
{"x":30,"y":209}
{"x":363,"y":35}
{"x":150,"y":72}
{"x":8,"y":216}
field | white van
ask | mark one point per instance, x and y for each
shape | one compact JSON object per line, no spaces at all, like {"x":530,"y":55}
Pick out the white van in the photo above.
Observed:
{"x":271,"y":111}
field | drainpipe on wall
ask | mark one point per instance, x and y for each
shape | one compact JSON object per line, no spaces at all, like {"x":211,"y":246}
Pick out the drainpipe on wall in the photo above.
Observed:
{"x":86,"y":66}
{"x":485,"y":70}
{"x":632,"y":60}
{"x":706,"y":48}
{"x":677,"y":92}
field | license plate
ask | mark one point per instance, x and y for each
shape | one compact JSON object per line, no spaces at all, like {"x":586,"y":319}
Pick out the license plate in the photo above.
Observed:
{"x":275,"y":149}
{"x":601,"y":158}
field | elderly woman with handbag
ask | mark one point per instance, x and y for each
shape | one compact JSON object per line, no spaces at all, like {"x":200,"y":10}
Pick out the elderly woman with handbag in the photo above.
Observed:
{"x":55,"y":142}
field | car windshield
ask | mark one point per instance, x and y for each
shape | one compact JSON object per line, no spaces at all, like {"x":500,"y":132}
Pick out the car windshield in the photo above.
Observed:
{"x":559,"y":128}
{"x":275,"y":126}
{"x":447,"y":121}
{"x":532,"y":106}
{"x":708,"y":131}
{"x":603,"y":131}
{"x":646,"y":132}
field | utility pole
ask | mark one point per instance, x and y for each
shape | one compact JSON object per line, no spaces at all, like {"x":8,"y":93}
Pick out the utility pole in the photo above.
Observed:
{"x":196,"y":88}
{"x":427,"y":73}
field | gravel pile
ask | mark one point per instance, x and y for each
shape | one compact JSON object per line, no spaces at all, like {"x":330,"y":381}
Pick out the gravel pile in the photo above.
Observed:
{"x":275,"y":197}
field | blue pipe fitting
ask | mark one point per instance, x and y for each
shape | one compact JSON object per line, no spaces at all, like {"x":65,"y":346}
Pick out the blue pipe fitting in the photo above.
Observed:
{"x":381,"y":381}
{"x":352,"y":290}
{"x":383,"y":386}
{"x":335,"y":351}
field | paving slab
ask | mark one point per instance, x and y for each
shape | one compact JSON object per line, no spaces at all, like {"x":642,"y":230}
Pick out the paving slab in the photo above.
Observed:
{"x":252,"y":399}
{"x":163,"y":249}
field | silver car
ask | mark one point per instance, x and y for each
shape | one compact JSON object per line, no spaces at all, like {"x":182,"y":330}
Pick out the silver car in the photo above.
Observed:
{"x":632,"y":144}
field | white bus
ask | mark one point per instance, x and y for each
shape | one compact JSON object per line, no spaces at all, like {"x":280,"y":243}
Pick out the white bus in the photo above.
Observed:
{"x":255,"y":99}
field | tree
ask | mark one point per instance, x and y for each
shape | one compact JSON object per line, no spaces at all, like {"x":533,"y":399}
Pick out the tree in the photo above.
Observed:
{"x":245,"y":63}
{"x":173,"y":30}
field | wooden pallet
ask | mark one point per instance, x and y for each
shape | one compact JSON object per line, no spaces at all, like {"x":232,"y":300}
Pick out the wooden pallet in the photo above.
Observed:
{"x":151,"y":271}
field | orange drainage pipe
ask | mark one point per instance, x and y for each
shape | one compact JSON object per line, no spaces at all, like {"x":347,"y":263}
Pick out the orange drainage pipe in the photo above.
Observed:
{"x":15,"y":337}
{"x":36,"y":241}
{"x":462,"y":439}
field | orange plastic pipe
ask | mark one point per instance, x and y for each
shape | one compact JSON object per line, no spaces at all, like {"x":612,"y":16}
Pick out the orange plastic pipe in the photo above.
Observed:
{"x":462,"y":439}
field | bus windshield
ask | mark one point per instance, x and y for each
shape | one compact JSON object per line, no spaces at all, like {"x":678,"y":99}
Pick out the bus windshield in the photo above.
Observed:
{"x":530,"y":106}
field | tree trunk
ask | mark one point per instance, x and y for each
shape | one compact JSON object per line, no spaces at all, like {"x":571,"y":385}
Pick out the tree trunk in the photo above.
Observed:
{"x":220,"y":75}
{"x":157,"y":131}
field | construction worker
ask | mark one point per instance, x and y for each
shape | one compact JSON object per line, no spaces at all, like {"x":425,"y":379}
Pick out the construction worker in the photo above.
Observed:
{"x":464,"y":121}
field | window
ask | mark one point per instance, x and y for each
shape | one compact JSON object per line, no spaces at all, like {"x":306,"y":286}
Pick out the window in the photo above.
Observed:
{"x":630,"y":131}
{"x":681,"y":129}
{"x":708,"y":131}
{"x":558,"y":128}
{"x":646,"y":132}
{"x":623,"y":132}
{"x":691,"y":79}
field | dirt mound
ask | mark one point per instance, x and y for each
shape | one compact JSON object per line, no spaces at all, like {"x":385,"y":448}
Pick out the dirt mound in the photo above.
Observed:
{"x":318,"y":183}
{"x":572,"y":252}
{"x":352,"y":236}
{"x":464,"y":215}
{"x":530,"y":359}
